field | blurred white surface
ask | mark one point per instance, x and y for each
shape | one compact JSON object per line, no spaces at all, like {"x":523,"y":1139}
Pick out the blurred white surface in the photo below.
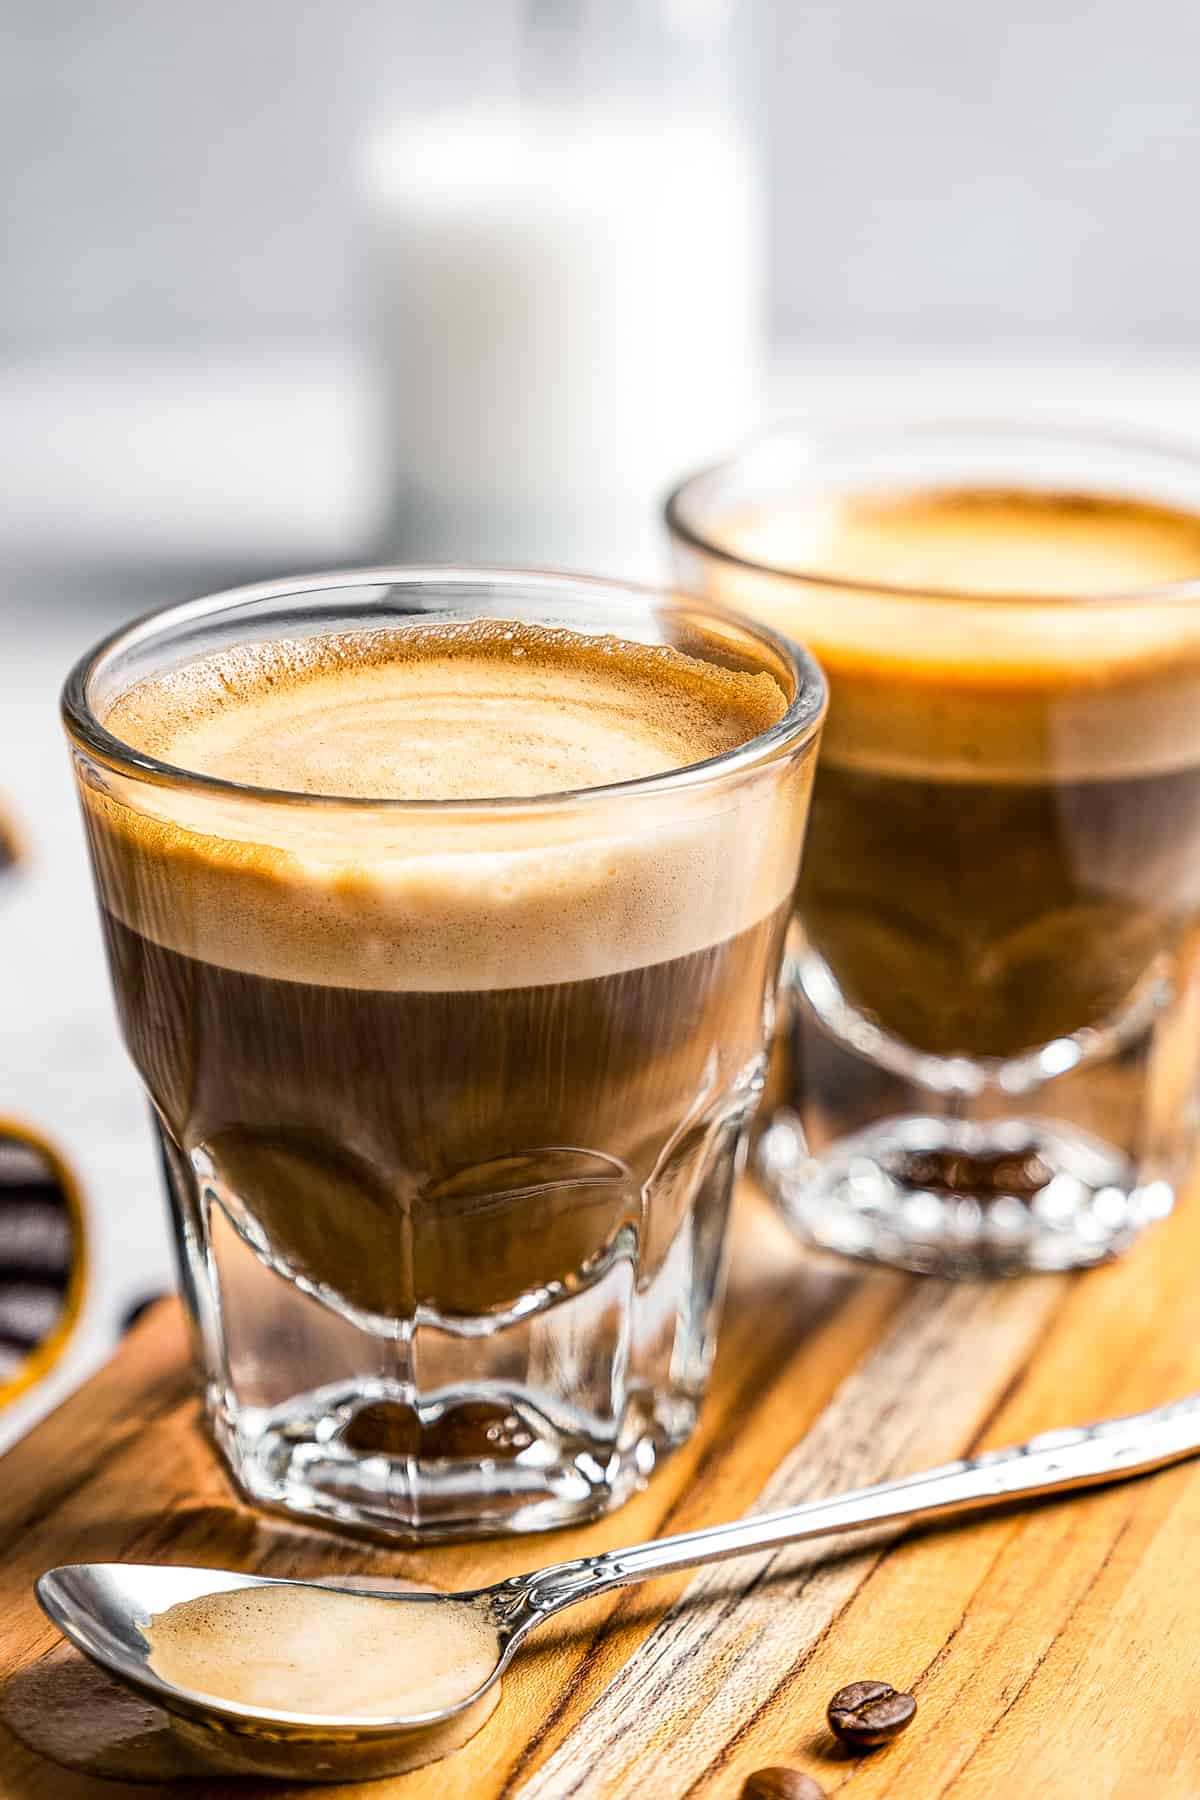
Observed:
{"x":258,"y":461}
{"x":143,"y":461}
{"x":132,"y":483}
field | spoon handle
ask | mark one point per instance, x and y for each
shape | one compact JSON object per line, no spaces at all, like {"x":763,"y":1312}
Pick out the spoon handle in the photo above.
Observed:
{"x":1080,"y":1456}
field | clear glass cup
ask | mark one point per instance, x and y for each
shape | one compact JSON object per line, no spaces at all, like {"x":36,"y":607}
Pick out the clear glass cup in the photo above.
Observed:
{"x":986,"y":1060}
{"x":450,"y":1094}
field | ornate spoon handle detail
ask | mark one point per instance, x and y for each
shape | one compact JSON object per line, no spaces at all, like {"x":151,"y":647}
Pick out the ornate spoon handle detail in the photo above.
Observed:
{"x":1080,"y":1456}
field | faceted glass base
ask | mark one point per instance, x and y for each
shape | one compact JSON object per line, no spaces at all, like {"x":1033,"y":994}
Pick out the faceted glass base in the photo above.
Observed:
{"x":426,"y":1425}
{"x":947,"y":1197}
{"x":486,"y":1466}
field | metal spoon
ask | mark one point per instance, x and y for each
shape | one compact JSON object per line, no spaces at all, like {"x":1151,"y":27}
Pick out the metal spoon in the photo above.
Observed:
{"x":101,"y":1607}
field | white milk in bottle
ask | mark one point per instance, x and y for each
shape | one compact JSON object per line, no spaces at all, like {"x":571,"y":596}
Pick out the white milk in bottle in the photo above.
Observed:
{"x":565,"y":290}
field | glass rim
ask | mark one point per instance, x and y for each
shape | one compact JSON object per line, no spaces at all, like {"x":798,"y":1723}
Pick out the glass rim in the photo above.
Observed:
{"x":799,"y":724}
{"x":914,"y":428}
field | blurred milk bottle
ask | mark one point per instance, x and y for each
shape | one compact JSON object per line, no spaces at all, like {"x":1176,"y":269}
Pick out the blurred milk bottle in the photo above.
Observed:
{"x":566,"y":289}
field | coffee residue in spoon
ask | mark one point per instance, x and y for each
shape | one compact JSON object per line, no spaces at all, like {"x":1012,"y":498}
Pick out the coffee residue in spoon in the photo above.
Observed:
{"x":310,"y":1650}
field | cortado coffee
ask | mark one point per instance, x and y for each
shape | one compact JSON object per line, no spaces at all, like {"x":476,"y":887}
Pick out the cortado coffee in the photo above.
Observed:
{"x":461,"y":1065}
{"x":986,"y":1054}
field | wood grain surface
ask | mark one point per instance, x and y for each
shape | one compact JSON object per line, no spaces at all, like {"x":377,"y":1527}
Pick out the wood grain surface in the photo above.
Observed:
{"x":1054,"y":1650}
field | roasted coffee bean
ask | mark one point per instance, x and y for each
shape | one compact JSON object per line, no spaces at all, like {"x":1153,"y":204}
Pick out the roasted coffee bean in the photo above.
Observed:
{"x":1019,"y":1173}
{"x":467,"y":1433}
{"x":781,"y":1784}
{"x":868,"y":1713}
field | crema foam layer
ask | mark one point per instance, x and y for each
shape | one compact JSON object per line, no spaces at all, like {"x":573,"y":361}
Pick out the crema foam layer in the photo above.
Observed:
{"x":484,"y":710}
{"x":1033,"y":630}
{"x":309,"y":889}
{"x":313,"y":1651}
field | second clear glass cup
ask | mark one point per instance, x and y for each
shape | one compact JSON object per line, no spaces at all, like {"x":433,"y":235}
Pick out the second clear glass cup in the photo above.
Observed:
{"x":988,"y":1060}
{"x":450,"y":1091}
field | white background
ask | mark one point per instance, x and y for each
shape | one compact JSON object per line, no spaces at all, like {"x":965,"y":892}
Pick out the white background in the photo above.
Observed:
{"x":173,"y":172}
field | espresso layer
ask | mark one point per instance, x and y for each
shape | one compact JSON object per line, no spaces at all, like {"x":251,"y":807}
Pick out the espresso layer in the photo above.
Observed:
{"x":1058,"y":650}
{"x":448,"y":1153}
{"x":994,"y":918}
{"x":383,"y":897}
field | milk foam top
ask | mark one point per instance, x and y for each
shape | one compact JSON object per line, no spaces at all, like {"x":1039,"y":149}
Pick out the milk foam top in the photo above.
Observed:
{"x":989,"y":632}
{"x":475,"y":711}
{"x":443,"y":897}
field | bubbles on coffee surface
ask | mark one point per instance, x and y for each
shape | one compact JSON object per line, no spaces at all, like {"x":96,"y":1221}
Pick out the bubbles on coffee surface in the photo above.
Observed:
{"x":485,"y":709}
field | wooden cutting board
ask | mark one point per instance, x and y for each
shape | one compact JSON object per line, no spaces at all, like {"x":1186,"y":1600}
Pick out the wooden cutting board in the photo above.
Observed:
{"x":1054,"y":1651}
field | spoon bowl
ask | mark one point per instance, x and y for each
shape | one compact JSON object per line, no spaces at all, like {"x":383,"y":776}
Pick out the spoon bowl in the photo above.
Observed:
{"x":106,"y":1608}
